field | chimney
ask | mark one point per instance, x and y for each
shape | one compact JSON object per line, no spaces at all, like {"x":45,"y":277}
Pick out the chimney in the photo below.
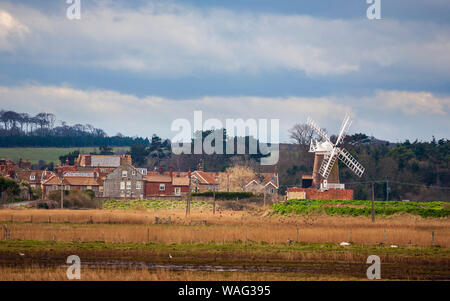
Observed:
{"x":276,"y":170}
{"x":67,"y":161}
{"x":171,"y":171}
{"x":160,"y":170}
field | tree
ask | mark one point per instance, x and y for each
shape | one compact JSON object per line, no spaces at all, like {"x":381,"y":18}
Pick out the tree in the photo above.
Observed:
{"x":238,"y":177}
{"x":139,"y":154}
{"x":8,"y":187}
{"x":303,"y":133}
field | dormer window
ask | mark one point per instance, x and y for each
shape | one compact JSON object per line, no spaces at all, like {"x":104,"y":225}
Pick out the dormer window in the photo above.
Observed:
{"x":124,"y":173}
{"x":32,"y":177}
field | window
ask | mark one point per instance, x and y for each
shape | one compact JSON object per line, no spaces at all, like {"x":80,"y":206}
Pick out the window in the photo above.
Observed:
{"x":271,"y":190}
{"x":122,"y":185}
{"x":67,"y":187}
{"x":138,"y":185}
{"x":162,"y":187}
{"x":128,"y":185}
{"x":89,"y":187}
{"x":133,"y":173}
{"x":177,"y":191}
{"x":32,"y":177}
{"x":100,"y":188}
{"x":55,"y":187}
{"x":124,"y":173}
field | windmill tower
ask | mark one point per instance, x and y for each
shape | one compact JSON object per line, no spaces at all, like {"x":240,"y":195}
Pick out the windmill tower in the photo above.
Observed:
{"x":326,"y":175}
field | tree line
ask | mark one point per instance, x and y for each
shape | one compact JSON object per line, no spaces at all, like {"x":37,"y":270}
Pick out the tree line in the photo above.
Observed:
{"x":25,"y":130}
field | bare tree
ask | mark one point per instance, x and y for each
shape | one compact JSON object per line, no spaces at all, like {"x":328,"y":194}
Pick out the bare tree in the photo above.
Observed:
{"x":302,"y":133}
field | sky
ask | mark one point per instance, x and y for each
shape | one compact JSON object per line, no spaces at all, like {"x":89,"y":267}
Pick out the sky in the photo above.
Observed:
{"x":135,"y":66}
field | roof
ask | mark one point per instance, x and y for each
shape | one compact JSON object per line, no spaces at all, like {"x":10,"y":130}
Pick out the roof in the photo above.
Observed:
{"x":159,"y":178}
{"x":26,"y":175}
{"x":180,"y":181}
{"x":81,"y":181}
{"x":205,"y":177}
{"x":265,"y":179}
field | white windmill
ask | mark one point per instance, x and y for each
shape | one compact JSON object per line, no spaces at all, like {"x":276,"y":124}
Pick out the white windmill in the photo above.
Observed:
{"x":330,"y":153}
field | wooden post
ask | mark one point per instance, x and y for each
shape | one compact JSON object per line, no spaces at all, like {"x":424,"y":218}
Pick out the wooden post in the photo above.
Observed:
{"x":350,"y":234}
{"x":297,"y":234}
{"x":385,"y":240}
{"x":148,"y":235}
{"x":103,"y":235}
{"x":49,"y":219}
{"x":31,"y":219}
{"x":214,"y":202}
{"x":432,"y":238}
{"x":373,"y":204}
{"x":12,"y":219}
{"x":246,"y":236}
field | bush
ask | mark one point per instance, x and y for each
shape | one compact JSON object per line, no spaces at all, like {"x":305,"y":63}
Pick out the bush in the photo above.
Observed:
{"x":75,"y":198}
{"x":223,"y":195}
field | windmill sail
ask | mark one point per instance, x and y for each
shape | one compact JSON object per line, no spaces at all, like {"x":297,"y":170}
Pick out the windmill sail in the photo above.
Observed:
{"x":351,"y":162}
{"x":318,"y":130}
{"x":328,"y":163}
{"x":344,"y":128}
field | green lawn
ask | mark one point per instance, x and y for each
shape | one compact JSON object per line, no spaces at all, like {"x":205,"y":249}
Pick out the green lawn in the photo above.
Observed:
{"x":48,"y":154}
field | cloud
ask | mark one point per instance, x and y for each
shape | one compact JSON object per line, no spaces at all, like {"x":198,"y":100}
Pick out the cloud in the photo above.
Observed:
{"x":12,"y":32}
{"x":413,"y":103}
{"x":386,"y":114}
{"x":177,"y":40}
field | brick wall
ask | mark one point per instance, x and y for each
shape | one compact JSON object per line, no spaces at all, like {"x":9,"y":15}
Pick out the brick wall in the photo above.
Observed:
{"x":331,"y":194}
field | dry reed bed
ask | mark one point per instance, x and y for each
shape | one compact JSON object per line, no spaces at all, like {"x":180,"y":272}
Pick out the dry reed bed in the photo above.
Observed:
{"x":87,"y":274}
{"x":220,"y":218}
{"x":271,"y":233}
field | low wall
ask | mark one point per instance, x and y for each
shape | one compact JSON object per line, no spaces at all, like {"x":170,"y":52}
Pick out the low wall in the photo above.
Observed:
{"x":314,"y":194}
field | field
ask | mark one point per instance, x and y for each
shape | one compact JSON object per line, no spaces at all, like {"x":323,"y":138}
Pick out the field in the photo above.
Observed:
{"x":48,"y":154}
{"x":158,"y":242}
{"x":363,"y":208}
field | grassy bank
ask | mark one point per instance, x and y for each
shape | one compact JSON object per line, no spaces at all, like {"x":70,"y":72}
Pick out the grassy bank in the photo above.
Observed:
{"x":363,"y":208}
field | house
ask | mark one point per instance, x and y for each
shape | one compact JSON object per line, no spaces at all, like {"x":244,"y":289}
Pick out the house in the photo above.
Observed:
{"x":267,"y":183}
{"x":74,"y":180}
{"x":166,"y":184}
{"x":33,"y":177}
{"x":125,"y":181}
{"x":202,"y":181}
{"x":102,"y":161}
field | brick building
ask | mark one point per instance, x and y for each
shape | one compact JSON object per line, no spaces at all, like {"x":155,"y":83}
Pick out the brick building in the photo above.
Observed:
{"x":315,"y":194}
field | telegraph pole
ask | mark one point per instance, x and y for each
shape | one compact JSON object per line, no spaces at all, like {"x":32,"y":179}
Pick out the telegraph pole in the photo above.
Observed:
{"x":373,"y":203}
{"x":387,"y":190}
{"x":62,"y":193}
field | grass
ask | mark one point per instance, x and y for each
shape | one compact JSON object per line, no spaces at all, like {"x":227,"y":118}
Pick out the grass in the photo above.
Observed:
{"x":154,"y":205}
{"x":48,"y":154}
{"x":363,"y":208}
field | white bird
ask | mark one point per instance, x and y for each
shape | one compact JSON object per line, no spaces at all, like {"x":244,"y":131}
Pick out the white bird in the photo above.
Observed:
{"x":21,"y":254}
{"x":344,"y":243}
{"x":170,"y":256}
{"x":394,"y":246}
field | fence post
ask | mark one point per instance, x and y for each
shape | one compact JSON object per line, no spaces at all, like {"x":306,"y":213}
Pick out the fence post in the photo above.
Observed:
{"x":350,"y":234}
{"x":297,"y":233}
{"x":31,"y":219}
{"x":12,"y":219}
{"x":49,"y":220}
{"x":246,"y":236}
{"x":432,"y":238}
{"x":385,"y":240}
{"x":148,"y":235}
{"x":103,"y":235}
